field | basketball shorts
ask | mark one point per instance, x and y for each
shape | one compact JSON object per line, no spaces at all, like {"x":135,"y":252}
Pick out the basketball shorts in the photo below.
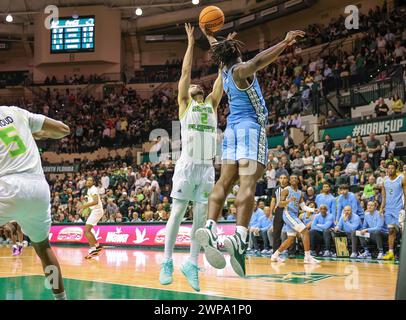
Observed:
{"x":25,"y":198}
{"x":293,"y":224}
{"x":392,"y":217}
{"x":245,"y":140}
{"x":94,"y":217}
{"x":192,"y":182}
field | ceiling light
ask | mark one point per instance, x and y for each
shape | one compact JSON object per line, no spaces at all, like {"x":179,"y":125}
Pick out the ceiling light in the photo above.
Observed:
{"x":138,"y":12}
{"x":9,"y":18}
{"x":195,"y":2}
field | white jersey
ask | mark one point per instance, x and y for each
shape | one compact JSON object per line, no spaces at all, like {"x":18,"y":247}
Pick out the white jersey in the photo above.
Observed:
{"x":94,"y":191}
{"x":199,"y":132}
{"x":18,"y":150}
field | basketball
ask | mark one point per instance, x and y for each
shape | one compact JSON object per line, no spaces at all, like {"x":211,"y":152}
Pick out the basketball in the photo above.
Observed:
{"x":211,"y":18}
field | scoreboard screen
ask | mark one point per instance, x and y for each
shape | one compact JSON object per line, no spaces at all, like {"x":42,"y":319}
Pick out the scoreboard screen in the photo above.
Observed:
{"x":73,"y":35}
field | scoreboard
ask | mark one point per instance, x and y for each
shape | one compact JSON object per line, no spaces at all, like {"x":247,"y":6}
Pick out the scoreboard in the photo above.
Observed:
{"x":73,"y":35}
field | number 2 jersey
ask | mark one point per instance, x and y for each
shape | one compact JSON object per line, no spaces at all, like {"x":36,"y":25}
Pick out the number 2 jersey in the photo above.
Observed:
{"x":199,"y":132}
{"x":18,"y":150}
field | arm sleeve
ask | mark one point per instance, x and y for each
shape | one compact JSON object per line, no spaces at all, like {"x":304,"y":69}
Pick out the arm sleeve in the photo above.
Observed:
{"x":333,"y":207}
{"x":379,"y":225}
{"x":365,"y":224}
{"x":340,"y":224}
{"x":354,"y":204}
{"x":306,"y":208}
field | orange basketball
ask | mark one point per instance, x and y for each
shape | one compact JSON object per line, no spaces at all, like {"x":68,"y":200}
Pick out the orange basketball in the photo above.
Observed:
{"x":211,"y":18}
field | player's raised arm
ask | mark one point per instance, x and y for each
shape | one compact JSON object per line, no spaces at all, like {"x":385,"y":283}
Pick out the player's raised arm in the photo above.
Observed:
{"x":52,"y":129}
{"x":217,"y":93}
{"x":266,"y":57}
{"x":184,"y":82}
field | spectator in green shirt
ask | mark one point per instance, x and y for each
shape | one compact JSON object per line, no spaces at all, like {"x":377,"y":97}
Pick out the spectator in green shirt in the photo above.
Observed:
{"x":369,"y":188}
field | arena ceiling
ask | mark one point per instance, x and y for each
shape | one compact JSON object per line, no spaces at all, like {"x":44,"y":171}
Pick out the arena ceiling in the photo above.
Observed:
{"x":23,"y":12}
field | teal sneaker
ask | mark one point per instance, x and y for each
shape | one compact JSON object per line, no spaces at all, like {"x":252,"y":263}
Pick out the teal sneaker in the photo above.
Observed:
{"x":165,"y":276}
{"x":208,"y":241}
{"x":191,"y":272}
{"x":236,"y":248}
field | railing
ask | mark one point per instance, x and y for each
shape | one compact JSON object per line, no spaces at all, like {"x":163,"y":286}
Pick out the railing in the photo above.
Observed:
{"x":365,"y":94}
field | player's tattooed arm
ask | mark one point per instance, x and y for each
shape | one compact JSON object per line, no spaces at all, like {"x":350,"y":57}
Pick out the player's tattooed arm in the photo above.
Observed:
{"x":184,"y":82}
{"x":266,"y":57}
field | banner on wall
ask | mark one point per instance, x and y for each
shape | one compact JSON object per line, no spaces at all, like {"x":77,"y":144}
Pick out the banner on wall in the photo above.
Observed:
{"x":61,"y":169}
{"x":129,"y":234}
{"x":365,"y":128}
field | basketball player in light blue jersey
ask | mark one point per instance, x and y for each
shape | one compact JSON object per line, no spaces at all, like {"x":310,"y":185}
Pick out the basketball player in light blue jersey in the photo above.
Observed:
{"x":393,"y":195}
{"x":292,"y":200}
{"x":245,"y":150}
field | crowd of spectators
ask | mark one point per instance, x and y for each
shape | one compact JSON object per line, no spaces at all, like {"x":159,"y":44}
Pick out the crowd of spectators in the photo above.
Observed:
{"x":290,"y":86}
{"x":354,"y":169}
{"x":74,"y":79}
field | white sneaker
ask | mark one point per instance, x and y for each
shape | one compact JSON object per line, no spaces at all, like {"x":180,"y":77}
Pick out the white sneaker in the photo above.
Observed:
{"x":264,"y":251}
{"x":310,"y":260}
{"x":277,"y":259}
{"x":353,"y":255}
{"x":380,"y":256}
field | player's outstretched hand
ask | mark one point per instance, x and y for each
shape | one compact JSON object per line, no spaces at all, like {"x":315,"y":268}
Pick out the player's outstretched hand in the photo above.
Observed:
{"x":189,"y":31}
{"x":231,"y":35}
{"x":292,"y":35}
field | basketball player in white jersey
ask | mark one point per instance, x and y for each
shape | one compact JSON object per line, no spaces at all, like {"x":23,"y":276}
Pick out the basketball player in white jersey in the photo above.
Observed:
{"x":24,"y":192}
{"x":95,"y":205}
{"x":193,"y":178}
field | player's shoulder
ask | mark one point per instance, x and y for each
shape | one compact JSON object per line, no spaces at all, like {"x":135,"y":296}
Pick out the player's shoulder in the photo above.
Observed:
{"x":11,"y":109}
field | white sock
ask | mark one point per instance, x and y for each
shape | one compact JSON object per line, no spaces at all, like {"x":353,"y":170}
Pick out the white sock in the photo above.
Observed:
{"x":93,"y":248}
{"x":307,"y":254}
{"x":276,"y":253}
{"x":199,"y":218}
{"x":212,"y":225}
{"x":172,"y":226}
{"x":60,"y":296}
{"x":242,"y":231}
{"x":391,"y":250}
{"x":18,"y":243}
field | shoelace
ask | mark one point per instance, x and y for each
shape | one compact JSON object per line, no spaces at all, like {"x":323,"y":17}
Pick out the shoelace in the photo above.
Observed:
{"x":167,"y":267}
{"x":194,"y":268}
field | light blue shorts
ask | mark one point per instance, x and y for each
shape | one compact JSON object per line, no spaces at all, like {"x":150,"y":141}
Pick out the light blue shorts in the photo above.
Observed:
{"x":293,"y":224}
{"x":245,"y":140}
{"x":392,"y":217}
